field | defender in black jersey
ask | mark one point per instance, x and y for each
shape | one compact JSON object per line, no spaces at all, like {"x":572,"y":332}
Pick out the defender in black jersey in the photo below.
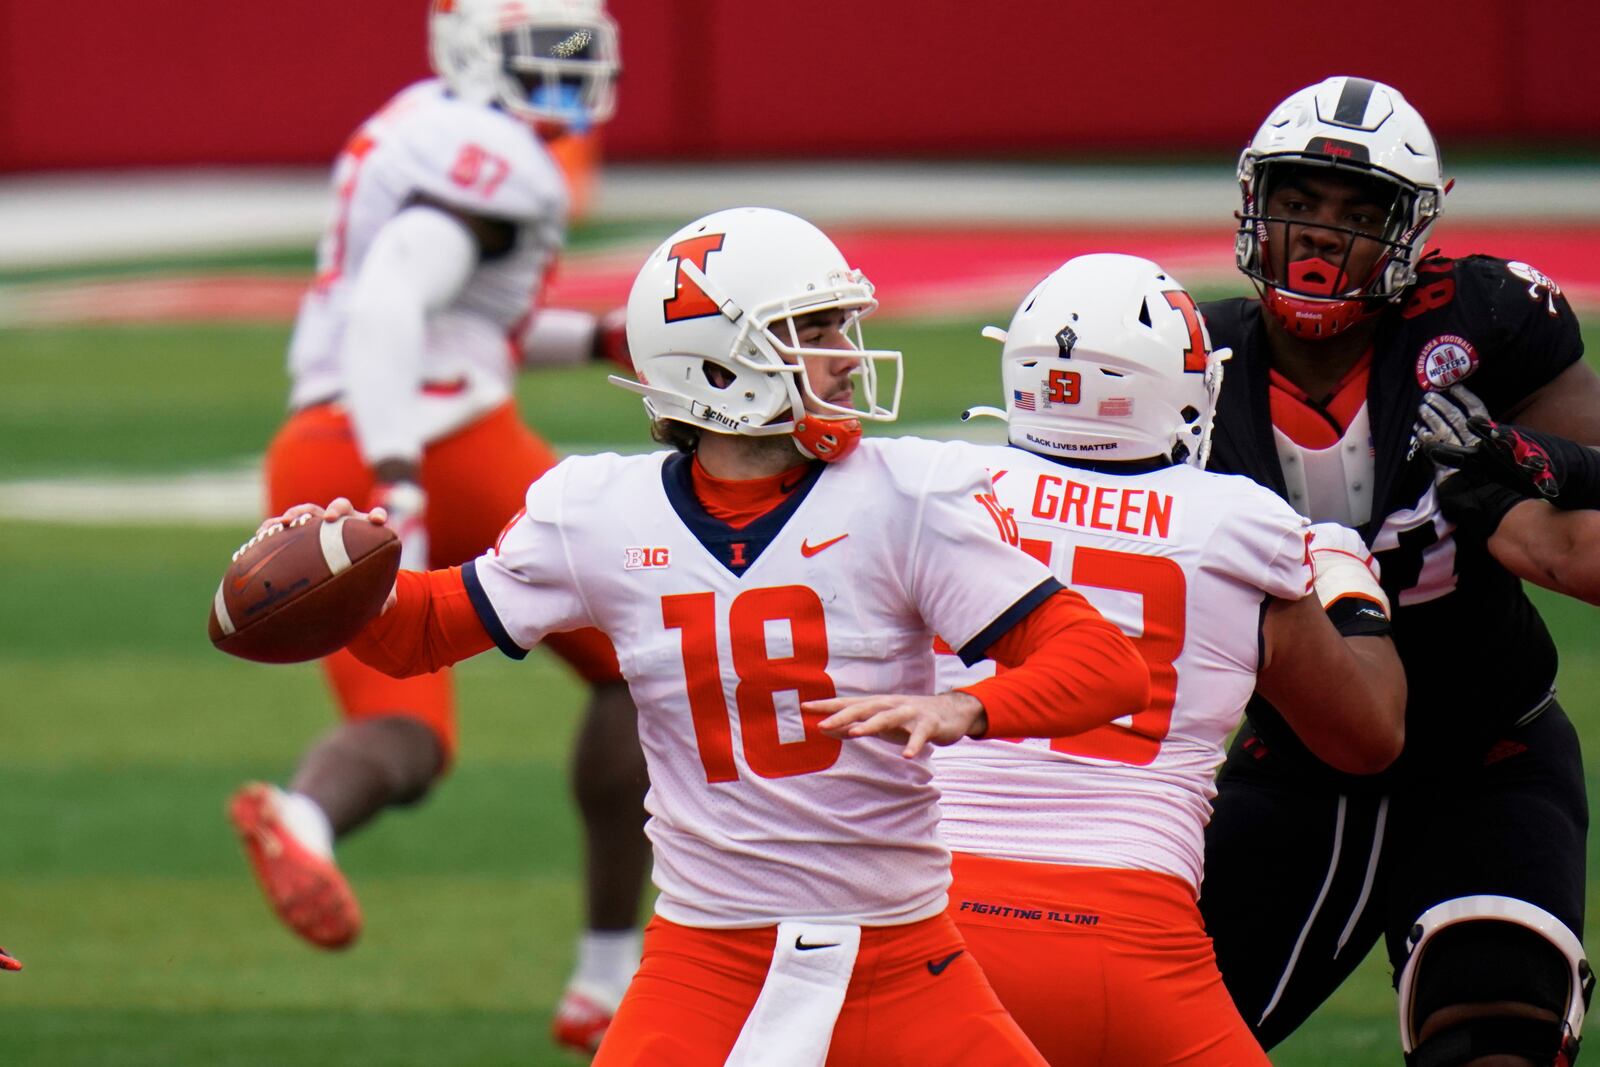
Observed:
{"x":1467,"y":856}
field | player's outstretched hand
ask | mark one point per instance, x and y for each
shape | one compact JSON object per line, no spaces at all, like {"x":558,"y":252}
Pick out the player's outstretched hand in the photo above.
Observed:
{"x":338,"y":509}
{"x":9,"y":962}
{"x":915,"y":720}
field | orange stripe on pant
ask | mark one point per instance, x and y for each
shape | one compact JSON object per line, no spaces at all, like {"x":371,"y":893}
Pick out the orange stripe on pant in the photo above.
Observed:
{"x":1100,"y":965}
{"x":475,"y":479}
{"x":915,"y":997}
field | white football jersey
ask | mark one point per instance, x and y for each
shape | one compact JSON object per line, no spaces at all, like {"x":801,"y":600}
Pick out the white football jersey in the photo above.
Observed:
{"x":756,"y":817}
{"x":1183,"y":562}
{"x":468,"y":156}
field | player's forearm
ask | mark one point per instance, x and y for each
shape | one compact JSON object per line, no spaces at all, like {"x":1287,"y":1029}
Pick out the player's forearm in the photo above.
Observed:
{"x":431,"y":625}
{"x":418,"y":263}
{"x":1359,"y":727}
{"x":1551,"y":548}
{"x":1071,"y":670}
{"x":1344,"y":697}
{"x":558,"y":337}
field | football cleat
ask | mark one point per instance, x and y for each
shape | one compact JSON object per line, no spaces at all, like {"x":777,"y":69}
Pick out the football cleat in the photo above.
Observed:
{"x":582,"y":1017}
{"x":305,"y":889}
{"x":9,"y":962}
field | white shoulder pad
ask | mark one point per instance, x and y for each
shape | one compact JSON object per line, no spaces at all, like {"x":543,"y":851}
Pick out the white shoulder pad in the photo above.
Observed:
{"x":474,"y":158}
{"x":1256,"y":536}
{"x":915,"y":465}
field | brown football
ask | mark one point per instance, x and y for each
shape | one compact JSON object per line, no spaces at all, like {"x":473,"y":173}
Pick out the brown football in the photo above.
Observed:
{"x":302,"y":591}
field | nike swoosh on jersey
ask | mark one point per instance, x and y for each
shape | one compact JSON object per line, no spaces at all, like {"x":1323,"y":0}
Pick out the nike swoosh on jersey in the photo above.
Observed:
{"x":800,"y":945}
{"x":811,"y":550}
{"x":936,"y":967}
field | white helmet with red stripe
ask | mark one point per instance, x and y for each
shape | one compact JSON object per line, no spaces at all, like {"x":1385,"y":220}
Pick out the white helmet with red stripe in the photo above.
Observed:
{"x":550,"y":62}
{"x":1350,"y":126}
{"x":1108,"y":359}
{"x":710,"y":330}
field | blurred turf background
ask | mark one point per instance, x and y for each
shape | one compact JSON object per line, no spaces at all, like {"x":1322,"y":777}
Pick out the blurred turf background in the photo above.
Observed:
{"x":122,"y":733}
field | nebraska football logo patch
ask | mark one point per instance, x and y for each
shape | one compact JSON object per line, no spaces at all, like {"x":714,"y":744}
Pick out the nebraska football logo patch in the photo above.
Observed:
{"x":1445,"y":360}
{"x":638,"y":559}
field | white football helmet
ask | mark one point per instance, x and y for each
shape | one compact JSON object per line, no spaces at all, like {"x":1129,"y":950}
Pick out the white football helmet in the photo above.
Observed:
{"x":1355,"y":126}
{"x":552,"y":62}
{"x":723,"y":291}
{"x":1108,"y":360}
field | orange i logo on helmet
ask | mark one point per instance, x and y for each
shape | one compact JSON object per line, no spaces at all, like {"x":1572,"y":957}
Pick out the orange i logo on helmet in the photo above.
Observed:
{"x":689,"y":300}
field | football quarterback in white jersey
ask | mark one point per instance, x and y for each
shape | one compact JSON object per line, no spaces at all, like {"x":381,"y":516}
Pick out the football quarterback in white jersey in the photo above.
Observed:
{"x":448,"y":213}
{"x":1078,"y":859}
{"x":772,"y":587}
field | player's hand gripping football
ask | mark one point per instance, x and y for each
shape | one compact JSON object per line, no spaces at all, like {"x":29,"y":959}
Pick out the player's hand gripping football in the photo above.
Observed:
{"x":338,"y":509}
{"x":915,"y":720}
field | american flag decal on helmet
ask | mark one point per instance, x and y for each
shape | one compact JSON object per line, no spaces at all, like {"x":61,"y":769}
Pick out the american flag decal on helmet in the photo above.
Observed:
{"x":1023,"y":401}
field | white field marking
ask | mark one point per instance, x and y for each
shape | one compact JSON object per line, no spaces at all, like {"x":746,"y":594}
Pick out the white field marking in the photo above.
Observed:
{"x":74,"y":218}
{"x":235,"y":497}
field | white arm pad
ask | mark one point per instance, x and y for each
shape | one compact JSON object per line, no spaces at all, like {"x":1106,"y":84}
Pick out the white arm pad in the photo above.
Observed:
{"x":418,"y":263}
{"x":1342,"y":566}
{"x":559,"y":337}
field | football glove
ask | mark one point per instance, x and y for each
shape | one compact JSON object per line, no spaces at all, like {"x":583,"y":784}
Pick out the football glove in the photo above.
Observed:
{"x":1535,"y":464}
{"x":1442,"y":417}
{"x":1476,"y":507}
{"x":407,"y":505}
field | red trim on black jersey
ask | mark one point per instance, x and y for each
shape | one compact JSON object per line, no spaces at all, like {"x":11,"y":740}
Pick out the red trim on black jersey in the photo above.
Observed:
{"x":1310,"y":424}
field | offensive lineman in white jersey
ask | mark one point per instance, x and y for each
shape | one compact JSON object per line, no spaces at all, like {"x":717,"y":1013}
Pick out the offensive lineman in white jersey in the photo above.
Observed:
{"x":449,"y":212}
{"x":1078,"y":859}
{"x":761,"y":584}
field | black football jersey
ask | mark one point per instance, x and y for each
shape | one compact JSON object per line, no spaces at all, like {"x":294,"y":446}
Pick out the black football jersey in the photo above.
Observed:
{"x":1476,"y":653}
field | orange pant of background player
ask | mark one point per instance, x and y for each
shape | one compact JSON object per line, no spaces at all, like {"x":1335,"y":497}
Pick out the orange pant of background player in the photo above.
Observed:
{"x":475,"y":480}
{"x":1100,"y":966}
{"x":695,"y":987}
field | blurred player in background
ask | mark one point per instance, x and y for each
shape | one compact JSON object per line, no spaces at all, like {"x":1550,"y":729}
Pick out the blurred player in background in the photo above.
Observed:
{"x":779,"y":569}
{"x":1078,"y":860}
{"x":1468,"y":856}
{"x":450,"y":211}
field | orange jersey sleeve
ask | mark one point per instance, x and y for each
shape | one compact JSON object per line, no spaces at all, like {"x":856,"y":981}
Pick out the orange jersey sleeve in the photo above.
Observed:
{"x":431,"y":625}
{"x":1071,"y":670}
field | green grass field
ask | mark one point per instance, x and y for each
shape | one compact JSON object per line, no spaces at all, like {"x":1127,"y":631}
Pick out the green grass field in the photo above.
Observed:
{"x":121,"y":888}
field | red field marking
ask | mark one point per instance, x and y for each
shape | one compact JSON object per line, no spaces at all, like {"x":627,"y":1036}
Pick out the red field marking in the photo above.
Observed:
{"x":918,"y":272}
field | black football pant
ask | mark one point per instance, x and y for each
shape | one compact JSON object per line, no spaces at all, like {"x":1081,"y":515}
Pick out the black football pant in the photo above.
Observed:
{"x":1301,"y":879}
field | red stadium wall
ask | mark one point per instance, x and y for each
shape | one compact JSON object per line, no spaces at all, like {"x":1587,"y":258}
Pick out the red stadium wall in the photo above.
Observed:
{"x":110,"y":83}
